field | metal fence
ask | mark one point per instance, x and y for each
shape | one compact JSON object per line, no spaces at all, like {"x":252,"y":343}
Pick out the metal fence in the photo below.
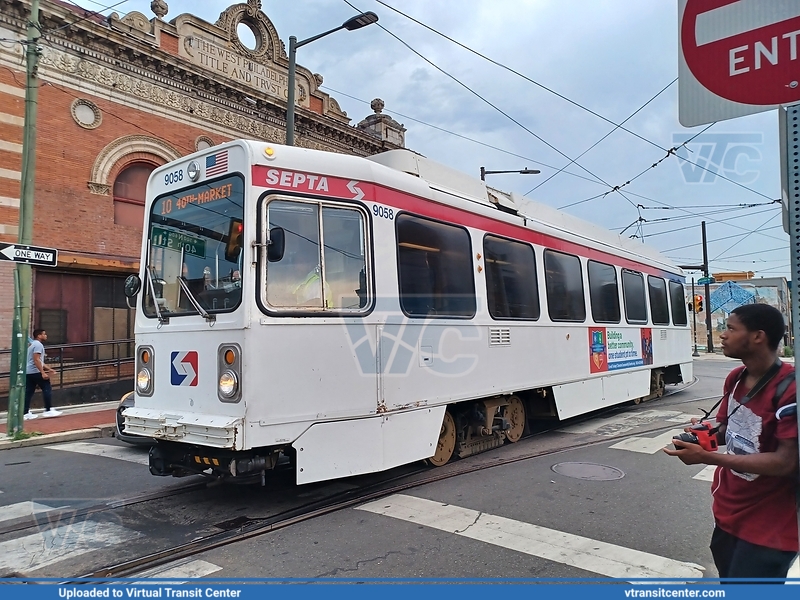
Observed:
{"x":76,"y":364}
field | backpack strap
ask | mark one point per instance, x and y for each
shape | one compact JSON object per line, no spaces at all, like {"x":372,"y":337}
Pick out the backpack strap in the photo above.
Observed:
{"x":781,"y":388}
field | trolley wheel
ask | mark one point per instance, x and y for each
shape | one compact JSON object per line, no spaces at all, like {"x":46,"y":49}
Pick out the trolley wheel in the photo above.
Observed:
{"x":638,"y":400}
{"x":515,"y":417}
{"x":658,"y":384}
{"x":447,"y":442}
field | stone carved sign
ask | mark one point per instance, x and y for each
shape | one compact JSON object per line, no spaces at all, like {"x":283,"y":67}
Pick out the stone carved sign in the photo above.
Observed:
{"x":257,"y":69}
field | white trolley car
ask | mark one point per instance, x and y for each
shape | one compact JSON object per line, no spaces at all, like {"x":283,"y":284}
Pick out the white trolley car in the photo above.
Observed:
{"x":356,"y":314}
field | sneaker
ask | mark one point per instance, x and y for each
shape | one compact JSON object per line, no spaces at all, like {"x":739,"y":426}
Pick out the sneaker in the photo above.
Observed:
{"x":52,"y":413}
{"x":28,"y":416}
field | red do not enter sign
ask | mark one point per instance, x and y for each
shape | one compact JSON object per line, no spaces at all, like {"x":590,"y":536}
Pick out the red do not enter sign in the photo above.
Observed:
{"x":745,"y":51}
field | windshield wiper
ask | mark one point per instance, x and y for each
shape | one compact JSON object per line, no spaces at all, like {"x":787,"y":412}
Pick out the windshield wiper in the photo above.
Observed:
{"x":203,"y":312}
{"x":161,"y":318}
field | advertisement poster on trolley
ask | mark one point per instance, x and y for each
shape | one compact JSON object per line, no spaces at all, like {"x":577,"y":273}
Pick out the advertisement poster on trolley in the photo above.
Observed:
{"x":613,"y":349}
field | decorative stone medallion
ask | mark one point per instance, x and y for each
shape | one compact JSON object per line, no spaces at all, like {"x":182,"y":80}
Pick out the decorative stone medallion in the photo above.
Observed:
{"x":86,"y":114}
{"x":203,"y":142}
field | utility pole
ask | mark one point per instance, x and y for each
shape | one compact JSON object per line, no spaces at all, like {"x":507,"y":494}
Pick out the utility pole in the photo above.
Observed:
{"x":22,"y":273}
{"x":694,"y":323}
{"x":710,"y":344}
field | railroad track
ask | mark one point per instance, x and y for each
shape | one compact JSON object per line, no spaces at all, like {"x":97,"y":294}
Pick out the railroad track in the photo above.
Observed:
{"x":342,"y":500}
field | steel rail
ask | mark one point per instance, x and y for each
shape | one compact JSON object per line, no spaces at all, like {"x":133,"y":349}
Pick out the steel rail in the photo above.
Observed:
{"x":336,"y":502}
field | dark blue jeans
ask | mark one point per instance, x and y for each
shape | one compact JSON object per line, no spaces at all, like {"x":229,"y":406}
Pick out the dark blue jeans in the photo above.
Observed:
{"x":32,"y":380}
{"x":736,"y":558}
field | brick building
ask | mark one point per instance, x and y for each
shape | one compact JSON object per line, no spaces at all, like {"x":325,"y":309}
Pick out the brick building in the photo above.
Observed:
{"x":117,"y":98}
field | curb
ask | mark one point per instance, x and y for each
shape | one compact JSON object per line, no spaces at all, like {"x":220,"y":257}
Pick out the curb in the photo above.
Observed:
{"x":101,"y":431}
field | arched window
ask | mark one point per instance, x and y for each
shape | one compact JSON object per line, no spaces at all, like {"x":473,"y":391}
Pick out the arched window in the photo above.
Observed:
{"x":129,"y":193}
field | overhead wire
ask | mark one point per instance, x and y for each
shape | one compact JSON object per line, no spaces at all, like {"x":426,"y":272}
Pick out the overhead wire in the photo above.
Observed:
{"x":522,"y":75}
{"x":669,"y":152}
{"x":459,"y":135}
{"x":86,"y":16}
{"x":746,"y":236}
{"x":480,"y":97}
{"x":728,"y":237}
{"x":616,"y":127}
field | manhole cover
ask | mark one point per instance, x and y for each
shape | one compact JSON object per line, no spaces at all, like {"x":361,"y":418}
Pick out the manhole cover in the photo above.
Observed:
{"x":590,"y":471}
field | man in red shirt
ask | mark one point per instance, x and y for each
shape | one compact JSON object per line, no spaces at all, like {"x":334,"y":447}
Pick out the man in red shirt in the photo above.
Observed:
{"x":756,"y":480}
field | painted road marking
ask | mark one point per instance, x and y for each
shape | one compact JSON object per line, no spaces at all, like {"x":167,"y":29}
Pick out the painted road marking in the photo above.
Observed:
{"x":12,"y":512}
{"x":621,"y":424}
{"x":184,"y":571}
{"x":647,"y":445}
{"x":130,"y":454}
{"x":573,"y":550}
{"x":49,"y":546}
{"x":706,"y":474}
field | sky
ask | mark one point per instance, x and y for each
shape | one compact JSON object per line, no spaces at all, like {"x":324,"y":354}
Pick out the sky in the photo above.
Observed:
{"x":583,"y":67}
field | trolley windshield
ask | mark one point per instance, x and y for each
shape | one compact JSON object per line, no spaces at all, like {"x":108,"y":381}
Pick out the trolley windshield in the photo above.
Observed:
{"x":194,"y":249}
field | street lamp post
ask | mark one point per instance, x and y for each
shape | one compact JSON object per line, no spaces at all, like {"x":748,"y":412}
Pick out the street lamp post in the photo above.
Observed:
{"x":357,"y":22}
{"x":525,"y":171}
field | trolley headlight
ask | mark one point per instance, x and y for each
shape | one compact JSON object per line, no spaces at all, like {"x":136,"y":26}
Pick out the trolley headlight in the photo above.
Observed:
{"x":143,"y":380}
{"x":228,"y":384}
{"x":229,"y":372}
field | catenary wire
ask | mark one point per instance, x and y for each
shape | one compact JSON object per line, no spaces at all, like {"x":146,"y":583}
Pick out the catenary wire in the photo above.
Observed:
{"x":480,"y":97}
{"x":88,"y":15}
{"x":746,"y":236}
{"x":523,"y":76}
{"x":501,"y":65}
{"x":459,"y":135}
{"x":589,"y":149}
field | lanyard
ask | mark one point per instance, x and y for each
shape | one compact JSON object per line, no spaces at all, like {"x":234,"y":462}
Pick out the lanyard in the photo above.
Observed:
{"x":765,"y":379}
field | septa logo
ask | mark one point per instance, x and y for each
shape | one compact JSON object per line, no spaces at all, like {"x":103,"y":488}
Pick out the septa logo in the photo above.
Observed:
{"x":184,"y":368}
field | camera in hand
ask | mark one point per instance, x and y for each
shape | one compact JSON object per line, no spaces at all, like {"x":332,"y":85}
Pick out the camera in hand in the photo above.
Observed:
{"x":702,"y":434}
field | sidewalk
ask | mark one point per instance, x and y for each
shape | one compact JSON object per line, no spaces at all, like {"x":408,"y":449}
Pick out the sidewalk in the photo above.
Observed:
{"x":79,"y":422}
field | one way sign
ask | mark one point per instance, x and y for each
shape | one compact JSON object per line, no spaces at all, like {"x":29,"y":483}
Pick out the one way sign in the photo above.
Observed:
{"x":33,"y":255}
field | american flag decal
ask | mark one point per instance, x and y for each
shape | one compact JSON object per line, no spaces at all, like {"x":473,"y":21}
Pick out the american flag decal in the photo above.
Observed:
{"x":217,"y":163}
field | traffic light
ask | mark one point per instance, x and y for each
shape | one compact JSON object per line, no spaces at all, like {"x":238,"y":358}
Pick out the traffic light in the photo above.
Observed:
{"x":234,"y":245}
{"x":698,"y":303}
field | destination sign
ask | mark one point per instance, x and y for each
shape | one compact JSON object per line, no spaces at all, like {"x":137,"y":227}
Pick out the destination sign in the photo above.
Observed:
{"x":177,"y":241}
{"x":203,"y":196}
{"x":32,"y":255}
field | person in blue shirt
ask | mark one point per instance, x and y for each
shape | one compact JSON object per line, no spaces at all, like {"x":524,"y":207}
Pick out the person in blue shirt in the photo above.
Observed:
{"x":38,"y":375}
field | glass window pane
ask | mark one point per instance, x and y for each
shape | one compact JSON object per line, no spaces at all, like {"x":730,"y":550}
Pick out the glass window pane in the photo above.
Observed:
{"x":195,"y":238}
{"x":633,"y":292}
{"x":345,"y":276}
{"x":435,"y":268}
{"x":564,"y":284}
{"x":511,"y":279}
{"x":677,"y":298}
{"x":603,"y":292}
{"x":295,"y":281}
{"x":659,"y":309}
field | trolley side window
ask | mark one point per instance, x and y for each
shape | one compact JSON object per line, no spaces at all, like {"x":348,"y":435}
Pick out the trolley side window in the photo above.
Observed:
{"x":511,"y":286}
{"x":564,"y":284}
{"x":323,"y":267}
{"x":603,"y":292}
{"x":633,"y":292}
{"x":434,"y":268}
{"x":659,"y":309}
{"x":677,"y":298}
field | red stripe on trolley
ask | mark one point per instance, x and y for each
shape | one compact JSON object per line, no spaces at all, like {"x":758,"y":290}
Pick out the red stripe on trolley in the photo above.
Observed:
{"x":335,"y":187}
